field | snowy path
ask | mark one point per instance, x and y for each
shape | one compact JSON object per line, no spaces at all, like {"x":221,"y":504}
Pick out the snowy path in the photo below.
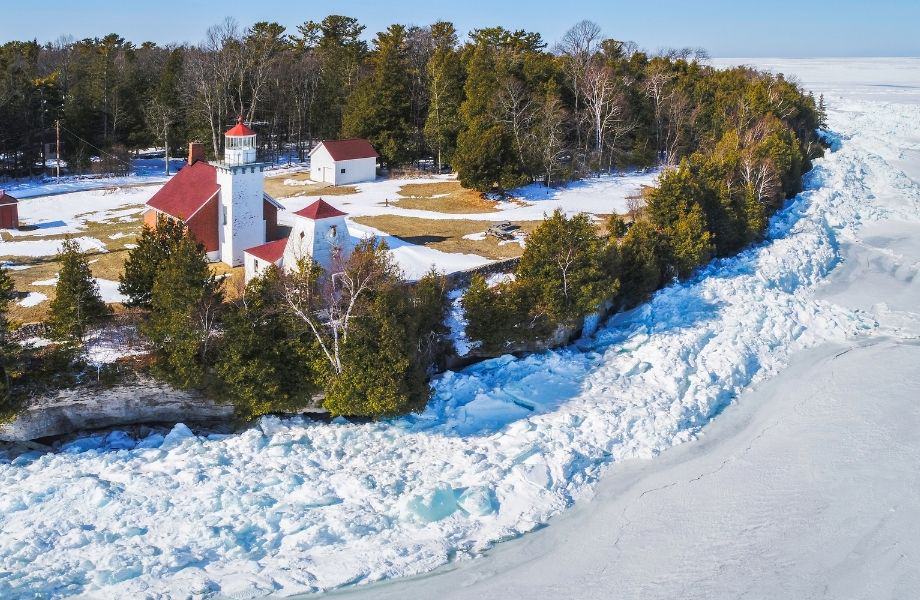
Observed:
{"x":292,"y":506}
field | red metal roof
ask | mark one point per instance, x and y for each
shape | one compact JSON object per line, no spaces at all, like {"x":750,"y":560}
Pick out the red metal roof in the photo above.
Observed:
{"x":350,"y":149}
{"x":187,"y":191}
{"x":6,"y":198}
{"x":240,"y":129}
{"x":320,"y":210}
{"x":270,"y":252}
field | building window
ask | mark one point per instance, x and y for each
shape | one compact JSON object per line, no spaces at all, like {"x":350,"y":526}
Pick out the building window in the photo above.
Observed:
{"x":224,"y":208}
{"x":343,"y":170}
{"x":301,"y":235}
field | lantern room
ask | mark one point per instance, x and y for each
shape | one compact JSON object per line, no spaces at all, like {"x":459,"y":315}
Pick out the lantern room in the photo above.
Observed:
{"x":240,"y":144}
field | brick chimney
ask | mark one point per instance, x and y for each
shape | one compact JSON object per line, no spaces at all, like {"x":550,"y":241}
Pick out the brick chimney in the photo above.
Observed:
{"x":195,"y":152}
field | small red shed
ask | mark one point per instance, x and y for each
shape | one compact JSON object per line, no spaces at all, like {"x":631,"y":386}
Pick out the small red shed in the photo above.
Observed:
{"x":9,"y":211}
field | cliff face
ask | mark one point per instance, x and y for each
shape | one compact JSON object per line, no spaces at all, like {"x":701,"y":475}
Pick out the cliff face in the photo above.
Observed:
{"x":145,"y":401}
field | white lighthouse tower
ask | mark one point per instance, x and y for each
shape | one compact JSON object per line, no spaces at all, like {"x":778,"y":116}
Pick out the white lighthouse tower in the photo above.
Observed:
{"x":241,"y":222}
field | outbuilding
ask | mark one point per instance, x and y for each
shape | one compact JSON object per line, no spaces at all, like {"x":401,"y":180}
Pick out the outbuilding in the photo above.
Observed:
{"x":9,"y":211}
{"x":341,"y":162}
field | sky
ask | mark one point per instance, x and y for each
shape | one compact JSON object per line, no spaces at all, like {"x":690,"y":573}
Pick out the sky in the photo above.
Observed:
{"x":726,"y":28}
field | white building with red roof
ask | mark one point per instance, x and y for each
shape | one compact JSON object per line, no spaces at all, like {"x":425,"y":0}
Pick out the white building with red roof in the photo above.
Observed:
{"x":224,"y":205}
{"x":341,"y":162}
{"x":319,"y":231}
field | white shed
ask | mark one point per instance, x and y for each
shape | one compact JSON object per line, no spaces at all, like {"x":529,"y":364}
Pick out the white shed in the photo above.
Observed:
{"x":341,"y":162}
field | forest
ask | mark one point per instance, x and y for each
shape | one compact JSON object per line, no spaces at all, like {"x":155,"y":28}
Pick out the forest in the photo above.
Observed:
{"x":500,"y":107}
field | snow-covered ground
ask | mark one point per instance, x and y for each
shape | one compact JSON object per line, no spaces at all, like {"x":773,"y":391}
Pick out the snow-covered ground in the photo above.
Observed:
{"x":806,"y":486}
{"x":294,"y":506}
{"x":597,"y":195}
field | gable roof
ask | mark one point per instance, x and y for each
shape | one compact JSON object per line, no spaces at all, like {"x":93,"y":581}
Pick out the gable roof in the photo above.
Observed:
{"x":6,"y":198}
{"x":319,"y":210}
{"x":187,"y":191}
{"x":240,"y":129}
{"x":271,"y":252}
{"x":350,"y":149}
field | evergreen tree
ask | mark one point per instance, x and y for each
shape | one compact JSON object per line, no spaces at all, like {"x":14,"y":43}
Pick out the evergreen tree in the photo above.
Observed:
{"x":77,"y":304}
{"x":641,"y":263}
{"x":380,"y":107}
{"x":265,"y":359}
{"x":144,"y":262}
{"x":483,"y":158}
{"x":380,"y":376}
{"x":184,"y":307}
{"x":446,"y":77}
{"x":563,"y":263}
{"x":691,"y":244}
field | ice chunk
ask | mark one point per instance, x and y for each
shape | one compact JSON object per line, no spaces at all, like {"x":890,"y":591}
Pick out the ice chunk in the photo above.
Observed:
{"x":478,"y":500}
{"x":432,"y":505}
{"x":179,"y":434}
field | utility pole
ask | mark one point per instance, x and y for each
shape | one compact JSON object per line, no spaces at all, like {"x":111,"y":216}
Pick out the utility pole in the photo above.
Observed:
{"x":57,"y":131}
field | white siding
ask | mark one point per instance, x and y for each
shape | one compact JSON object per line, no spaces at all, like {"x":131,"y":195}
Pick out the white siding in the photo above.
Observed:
{"x":325,"y":170}
{"x":317,"y":239}
{"x":241,"y":217}
{"x":322,"y":167}
{"x":254,"y":266}
{"x":356,"y":171}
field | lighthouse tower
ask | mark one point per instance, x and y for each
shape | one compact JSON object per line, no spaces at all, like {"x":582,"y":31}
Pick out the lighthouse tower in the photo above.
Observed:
{"x":241,"y":222}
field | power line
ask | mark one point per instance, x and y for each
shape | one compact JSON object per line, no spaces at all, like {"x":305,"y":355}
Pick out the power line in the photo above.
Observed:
{"x":97,"y":148}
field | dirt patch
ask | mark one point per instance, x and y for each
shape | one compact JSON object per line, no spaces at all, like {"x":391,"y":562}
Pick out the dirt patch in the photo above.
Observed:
{"x":276,"y":188}
{"x":446,"y":235}
{"x":445,"y":197}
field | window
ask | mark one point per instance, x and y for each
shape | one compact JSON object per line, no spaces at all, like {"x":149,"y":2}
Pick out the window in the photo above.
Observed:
{"x":301,"y":235}
{"x":343,"y":170}
{"x":224,"y":208}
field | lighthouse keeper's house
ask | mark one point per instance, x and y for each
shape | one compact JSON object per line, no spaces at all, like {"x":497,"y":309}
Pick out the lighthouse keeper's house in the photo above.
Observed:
{"x":225,"y":207}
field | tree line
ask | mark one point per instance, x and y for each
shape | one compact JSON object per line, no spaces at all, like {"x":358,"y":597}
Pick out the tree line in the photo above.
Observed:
{"x":714,"y":202}
{"x":500,"y":107}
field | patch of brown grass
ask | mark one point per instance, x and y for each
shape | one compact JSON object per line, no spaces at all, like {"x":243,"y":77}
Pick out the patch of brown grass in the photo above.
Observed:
{"x":447,"y":234}
{"x":274,"y":187}
{"x":445,"y":197}
{"x":104,"y":265}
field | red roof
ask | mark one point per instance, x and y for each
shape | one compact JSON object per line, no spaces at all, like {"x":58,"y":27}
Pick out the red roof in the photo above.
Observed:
{"x":187,"y":191}
{"x":349,"y":149}
{"x":240,"y":129}
{"x":320,"y":210}
{"x":6,"y":198}
{"x":271,"y":252}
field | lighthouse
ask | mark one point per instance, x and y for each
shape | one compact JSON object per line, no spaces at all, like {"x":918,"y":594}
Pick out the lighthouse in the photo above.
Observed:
{"x":241,"y":219}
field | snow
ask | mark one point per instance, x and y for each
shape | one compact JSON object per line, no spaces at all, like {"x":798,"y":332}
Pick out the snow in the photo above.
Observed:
{"x":32,"y":299}
{"x":36,"y":248}
{"x":597,"y":195}
{"x":108,"y":289}
{"x":69,"y":213}
{"x":415,"y":260}
{"x":292,"y":505}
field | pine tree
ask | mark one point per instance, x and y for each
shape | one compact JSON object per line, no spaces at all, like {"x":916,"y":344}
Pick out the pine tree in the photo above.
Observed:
{"x":154,"y":246}
{"x":265,"y":359}
{"x":77,"y":304}
{"x":563,"y":263}
{"x":184,"y":308}
{"x":641,"y":263}
{"x":446,"y":76}
{"x":483,"y":158}
{"x":691,"y":243}
{"x":380,"y":107}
